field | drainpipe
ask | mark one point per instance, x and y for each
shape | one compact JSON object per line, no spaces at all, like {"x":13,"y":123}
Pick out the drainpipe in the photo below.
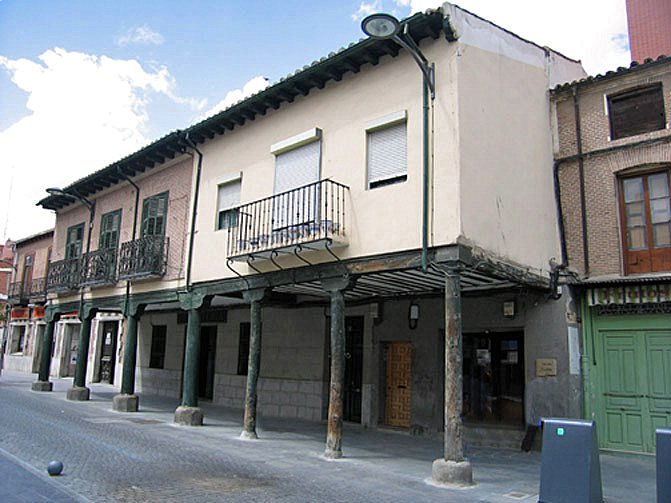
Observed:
{"x":557,"y":268}
{"x":135,"y":214}
{"x":425,"y":172}
{"x":581,"y":171}
{"x":194,"y":210}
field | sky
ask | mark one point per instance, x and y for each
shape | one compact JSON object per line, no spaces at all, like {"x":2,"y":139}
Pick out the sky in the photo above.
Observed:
{"x":84,"y":83}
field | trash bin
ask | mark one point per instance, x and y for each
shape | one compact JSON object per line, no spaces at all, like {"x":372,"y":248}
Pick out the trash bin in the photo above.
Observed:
{"x":570,"y":468}
{"x":663,"y":439}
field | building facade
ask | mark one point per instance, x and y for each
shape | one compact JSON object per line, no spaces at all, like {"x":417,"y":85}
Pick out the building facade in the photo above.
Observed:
{"x":648,"y":22}
{"x":327,"y":243}
{"x":613,"y":164}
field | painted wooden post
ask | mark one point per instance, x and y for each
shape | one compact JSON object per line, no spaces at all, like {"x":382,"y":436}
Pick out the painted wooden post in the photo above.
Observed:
{"x":79,"y":391}
{"x":335,"y":411}
{"x":453,"y":468}
{"x":188,"y":412}
{"x":43,"y":383}
{"x":255,"y":297}
{"x":127,"y":400}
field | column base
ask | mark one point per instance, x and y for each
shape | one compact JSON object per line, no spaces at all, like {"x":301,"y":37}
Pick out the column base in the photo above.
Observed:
{"x":331,"y":454}
{"x":248,"y":435}
{"x":125,"y":403}
{"x":42,"y":386}
{"x":452,"y":473}
{"x":78,"y":394}
{"x":189,"y":416}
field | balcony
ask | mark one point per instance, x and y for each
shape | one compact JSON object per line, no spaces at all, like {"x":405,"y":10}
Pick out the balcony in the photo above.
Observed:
{"x":17,"y":294}
{"x":64,"y":275}
{"x":311,"y":217}
{"x":143,"y":258}
{"x":99,"y":268}
{"x":38,"y":290}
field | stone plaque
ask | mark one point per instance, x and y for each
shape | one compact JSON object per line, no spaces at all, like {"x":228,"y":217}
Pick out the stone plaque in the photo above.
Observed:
{"x":546,"y":367}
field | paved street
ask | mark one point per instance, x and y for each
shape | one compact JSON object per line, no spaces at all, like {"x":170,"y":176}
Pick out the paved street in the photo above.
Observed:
{"x":115,"y":457}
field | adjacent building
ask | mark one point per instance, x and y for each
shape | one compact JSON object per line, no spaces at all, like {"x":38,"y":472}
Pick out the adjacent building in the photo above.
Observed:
{"x":613,"y":166}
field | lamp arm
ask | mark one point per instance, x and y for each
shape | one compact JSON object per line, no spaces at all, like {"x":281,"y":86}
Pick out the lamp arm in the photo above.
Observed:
{"x":420,"y":59}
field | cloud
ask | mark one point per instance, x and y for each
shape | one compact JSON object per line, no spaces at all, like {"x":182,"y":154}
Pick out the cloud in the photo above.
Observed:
{"x":83,"y":113}
{"x":252,"y":86}
{"x":594,"y":32}
{"x":140,"y":35}
{"x":367,"y":8}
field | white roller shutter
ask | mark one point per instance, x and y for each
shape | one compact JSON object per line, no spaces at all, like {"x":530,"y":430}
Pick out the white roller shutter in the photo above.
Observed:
{"x":387,"y":153}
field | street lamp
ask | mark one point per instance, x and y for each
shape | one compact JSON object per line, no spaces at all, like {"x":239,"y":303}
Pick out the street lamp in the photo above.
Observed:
{"x":382,"y":26}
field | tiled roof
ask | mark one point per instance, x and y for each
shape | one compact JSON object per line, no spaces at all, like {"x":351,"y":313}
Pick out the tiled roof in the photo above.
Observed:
{"x":634,"y":66}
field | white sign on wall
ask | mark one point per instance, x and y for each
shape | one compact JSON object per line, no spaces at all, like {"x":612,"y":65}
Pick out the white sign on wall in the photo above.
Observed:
{"x":574,"y":350}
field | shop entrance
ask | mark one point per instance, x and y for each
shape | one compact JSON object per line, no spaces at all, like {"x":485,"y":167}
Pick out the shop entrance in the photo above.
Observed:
{"x":108,"y":352}
{"x":494,"y":378}
{"x":398,"y":384}
{"x":208,"y":349}
{"x":353,"y":368}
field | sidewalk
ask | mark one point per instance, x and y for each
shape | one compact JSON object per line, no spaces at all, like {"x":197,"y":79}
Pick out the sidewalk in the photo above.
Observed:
{"x":373,"y":457}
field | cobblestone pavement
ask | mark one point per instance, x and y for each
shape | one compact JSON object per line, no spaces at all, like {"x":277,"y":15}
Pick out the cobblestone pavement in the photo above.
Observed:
{"x":144,"y":457}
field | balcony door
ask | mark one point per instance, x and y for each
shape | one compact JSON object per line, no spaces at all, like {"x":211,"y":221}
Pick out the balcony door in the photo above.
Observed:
{"x":646,"y":218}
{"x":27,"y":278}
{"x":109,"y":230}
{"x":296,"y":169}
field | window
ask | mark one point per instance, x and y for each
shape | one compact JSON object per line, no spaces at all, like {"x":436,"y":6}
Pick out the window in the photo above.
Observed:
{"x":27,"y":272}
{"x":73,"y":246}
{"x":243,"y":349}
{"x":228,"y":198}
{"x":154,"y":210}
{"x":636,"y":112}
{"x":646,"y":219}
{"x":158,"y":339}
{"x":109,"y":230}
{"x":298,"y":167}
{"x":387,"y":152}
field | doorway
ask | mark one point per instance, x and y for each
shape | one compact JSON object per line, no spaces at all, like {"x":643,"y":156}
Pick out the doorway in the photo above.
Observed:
{"x":37,"y":346}
{"x":398,"y":384}
{"x":493,"y":385}
{"x":353,"y":368}
{"x":70,"y":348}
{"x":107,"y":353}
{"x":206,"y":363}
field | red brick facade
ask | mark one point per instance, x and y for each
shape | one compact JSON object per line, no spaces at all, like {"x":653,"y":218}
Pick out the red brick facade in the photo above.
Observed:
{"x":649,"y":28}
{"x":604,"y":162}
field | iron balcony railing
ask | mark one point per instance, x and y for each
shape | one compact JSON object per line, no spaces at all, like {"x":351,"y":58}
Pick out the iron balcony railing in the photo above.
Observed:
{"x":64,"y":275}
{"x":17,"y":293}
{"x":144,"y":257}
{"x":99,"y":267}
{"x":38,"y":290}
{"x":309,"y":214}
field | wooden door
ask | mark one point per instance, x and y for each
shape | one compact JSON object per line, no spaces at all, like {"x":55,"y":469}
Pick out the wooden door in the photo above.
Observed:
{"x":353,"y":368}
{"x":208,"y":349}
{"x":399,"y":379}
{"x":108,"y":352}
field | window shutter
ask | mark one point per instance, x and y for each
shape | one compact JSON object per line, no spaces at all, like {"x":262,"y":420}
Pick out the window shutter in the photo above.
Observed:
{"x":387,"y":153}
{"x":297,"y":167}
{"x":229,"y":195}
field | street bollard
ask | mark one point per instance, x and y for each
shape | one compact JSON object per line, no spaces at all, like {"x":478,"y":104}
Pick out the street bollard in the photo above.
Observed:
{"x":570,"y":468}
{"x":663,"y":439}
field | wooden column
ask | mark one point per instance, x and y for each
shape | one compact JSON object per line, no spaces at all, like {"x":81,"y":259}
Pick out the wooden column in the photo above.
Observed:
{"x":254,"y":297}
{"x":336,"y":288}
{"x":127,"y":400}
{"x":43,"y":383}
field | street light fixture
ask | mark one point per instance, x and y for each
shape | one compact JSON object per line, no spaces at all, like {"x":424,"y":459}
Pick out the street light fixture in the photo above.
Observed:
{"x":55,"y":191}
{"x":382,"y":26}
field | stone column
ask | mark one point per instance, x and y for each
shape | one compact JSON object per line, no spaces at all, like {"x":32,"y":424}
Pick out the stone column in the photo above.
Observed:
{"x":188,"y":413}
{"x":254,"y":297}
{"x":79,"y":391}
{"x":336,"y":289}
{"x":43,"y":383}
{"x":127,"y":400}
{"x":453,"y":468}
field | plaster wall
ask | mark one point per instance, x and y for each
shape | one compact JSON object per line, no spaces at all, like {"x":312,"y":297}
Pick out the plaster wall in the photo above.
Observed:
{"x":40,"y":250}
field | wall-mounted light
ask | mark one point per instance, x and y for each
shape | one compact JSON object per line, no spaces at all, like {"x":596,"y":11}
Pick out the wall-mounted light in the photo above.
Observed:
{"x":509,"y":309}
{"x":413,"y":316}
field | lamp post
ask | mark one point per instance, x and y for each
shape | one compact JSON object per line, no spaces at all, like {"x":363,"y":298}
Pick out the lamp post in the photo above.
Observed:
{"x":386,"y":27}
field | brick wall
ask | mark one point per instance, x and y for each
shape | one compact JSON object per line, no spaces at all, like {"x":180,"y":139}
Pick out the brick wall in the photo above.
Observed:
{"x":649,"y":33}
{"x":602,"y":170}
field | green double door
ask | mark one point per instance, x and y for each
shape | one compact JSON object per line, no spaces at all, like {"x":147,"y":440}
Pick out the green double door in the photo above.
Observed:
{"x":633,"y":373}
